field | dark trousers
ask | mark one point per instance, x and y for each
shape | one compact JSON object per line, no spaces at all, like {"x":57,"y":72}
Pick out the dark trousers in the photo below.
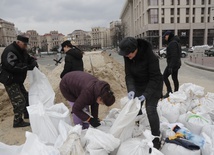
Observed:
{"x":19,"y":99}
{"x":174,"y":75}
{"x":152,"y":114}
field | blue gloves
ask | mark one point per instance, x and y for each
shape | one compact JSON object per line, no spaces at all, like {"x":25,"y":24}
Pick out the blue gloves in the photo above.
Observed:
{"x":141,"y":98}
{"x":131,"y":95}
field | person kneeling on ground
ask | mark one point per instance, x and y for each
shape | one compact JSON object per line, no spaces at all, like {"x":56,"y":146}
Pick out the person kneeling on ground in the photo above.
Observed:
{"x":82,"y":90}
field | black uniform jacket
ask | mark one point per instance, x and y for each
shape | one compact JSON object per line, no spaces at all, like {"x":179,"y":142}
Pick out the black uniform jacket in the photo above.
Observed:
{"x":143,"y":75}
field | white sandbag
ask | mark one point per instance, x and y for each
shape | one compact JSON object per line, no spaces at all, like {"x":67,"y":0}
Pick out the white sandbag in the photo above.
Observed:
{"x":100,"y":142}
{"x":173,"y":149}
{"x":58,"y":112}
{"x":124,"y":124}
{"x":10,"y":149}
{"x":40,"y":89}
{"x":169,"y":110}
{"x":41,"y":124}
{"x":33,"y":146}
{"x":195,"y":122}
{"x":177,"y":97}
{"x":208,"y":101}
{"x":208,"y":135}
{"x":192,"y":90}
{"x":138,"y":146}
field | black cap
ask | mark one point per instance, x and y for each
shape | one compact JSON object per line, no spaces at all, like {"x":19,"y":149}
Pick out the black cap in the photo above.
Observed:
{"x":127,"y":45}
{"x":167,"y":33}
{"x":22,"y":38}
{"x":65,"y":43}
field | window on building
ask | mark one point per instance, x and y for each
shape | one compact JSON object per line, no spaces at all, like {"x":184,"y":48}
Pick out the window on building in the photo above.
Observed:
{"x":187,"y":19}
{"x":162,"y":2}
{"x":193,"y":11}
{"x":152,"y":2}
{"x":202,"y":19}
{"x":162,"y":11}
{"x":202,"y":2}
{"x":202,"y":11}
{"x":172,"y":11}
{"x":193,"y":2}
{"x":172,"y":19}
{"x":153,"y":16}
{"x":172,"y":2}
{"x":209,"y":2}
{"x":178,"y":11}
{"x":187,"y":11}
{"x":208,"y":19}
{"x":187,"y":2}
{"x":193,"y":19}
{"x":178,"y":20}
{"x":178,"y":2}
{"x":162,"y":20}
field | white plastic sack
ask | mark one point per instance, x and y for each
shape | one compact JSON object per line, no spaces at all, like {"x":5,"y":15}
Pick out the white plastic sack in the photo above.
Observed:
{"x":138,"y":146}
{"x":10,"y":149}
{"x":41,"y":124}
{"x":178,"y":97}
{"x":124,"y":123}
{"x":195,"y":122}
{"x":173,"y":149}
{"x":208,"y":135}
{"x":40,"y":90}
{"x":58,"y":112}
{"x":169,"y":110}
{"x":100,"y":142}
{"x":192,"y":90}
{"x":33,"y":146}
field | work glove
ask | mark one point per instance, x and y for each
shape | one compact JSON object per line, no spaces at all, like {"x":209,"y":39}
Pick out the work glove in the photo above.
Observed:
{"x":141,"y":98}
{"x":94,"y":122}
{"x":131,"y":95}
{"x":170,"y":70}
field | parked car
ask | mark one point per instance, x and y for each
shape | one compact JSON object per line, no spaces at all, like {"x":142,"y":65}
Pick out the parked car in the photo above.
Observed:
{"x":188,"y":50}
{"x":209,"y":52}
{"x":162,"y":53}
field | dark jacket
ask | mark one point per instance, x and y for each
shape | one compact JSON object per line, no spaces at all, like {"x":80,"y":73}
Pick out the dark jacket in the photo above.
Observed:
{"x":73,"y":61}
{"x":17,"y":61}
{"x":173,"y":52}
{"x":143,"y":75}
{"x":83,"y":89}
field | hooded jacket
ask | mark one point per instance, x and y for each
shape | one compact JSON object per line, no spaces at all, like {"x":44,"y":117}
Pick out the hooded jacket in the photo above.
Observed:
{"x":143,"y":75}
{"x":17,"y":61}
{"x":73,"y":61}
{"x":83,"y":89}
{"x":173,"y":52}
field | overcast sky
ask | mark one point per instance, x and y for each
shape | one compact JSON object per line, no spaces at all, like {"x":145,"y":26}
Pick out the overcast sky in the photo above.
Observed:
{"x":62,"y":15}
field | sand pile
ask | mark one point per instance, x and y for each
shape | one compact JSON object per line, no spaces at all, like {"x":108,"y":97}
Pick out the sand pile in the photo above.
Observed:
{"x":99,"y":64}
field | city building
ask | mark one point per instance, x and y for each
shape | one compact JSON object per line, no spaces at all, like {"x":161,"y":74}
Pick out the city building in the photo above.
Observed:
{"x":100,"y":37}
{"x":80,"y":38}
{"x":116,"y":33}
{"x":7,"y":33}
{"x":191,"y":20}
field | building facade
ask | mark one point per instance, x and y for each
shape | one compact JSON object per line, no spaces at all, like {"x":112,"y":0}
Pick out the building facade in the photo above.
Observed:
{"x":100,"y":37}
{"x":191,"y":20}
{"x":7,"y":33}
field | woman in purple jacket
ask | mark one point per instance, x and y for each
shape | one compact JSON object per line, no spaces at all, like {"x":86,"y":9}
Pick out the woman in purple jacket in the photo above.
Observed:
{"x":82,"y":90}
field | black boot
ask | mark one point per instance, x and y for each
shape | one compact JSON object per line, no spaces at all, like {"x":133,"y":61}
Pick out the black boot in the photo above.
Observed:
{"x":26,"y":115}
{"x":21,"y":124}
{"x":156,"y":143}
{"x":166,"y":95}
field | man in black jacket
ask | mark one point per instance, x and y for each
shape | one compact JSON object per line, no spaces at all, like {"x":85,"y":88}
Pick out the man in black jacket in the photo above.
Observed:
{"x":17,"y":61}
{"x":73,"y":58}
{"x":173,"y":58}
{"x":143,"y":78}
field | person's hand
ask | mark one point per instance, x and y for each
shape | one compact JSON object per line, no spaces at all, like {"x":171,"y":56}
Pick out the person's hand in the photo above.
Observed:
{"x":170,"y":70}
{"x":94,"y":122}
{"x":131,"y":95}
{"x":141,"y":98}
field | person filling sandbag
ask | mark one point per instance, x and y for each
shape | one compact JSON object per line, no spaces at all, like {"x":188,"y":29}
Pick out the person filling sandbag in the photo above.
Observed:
{"x":82,"y":90}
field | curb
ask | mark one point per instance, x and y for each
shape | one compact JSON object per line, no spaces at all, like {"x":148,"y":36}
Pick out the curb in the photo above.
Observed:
{"x":199,"y":66}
